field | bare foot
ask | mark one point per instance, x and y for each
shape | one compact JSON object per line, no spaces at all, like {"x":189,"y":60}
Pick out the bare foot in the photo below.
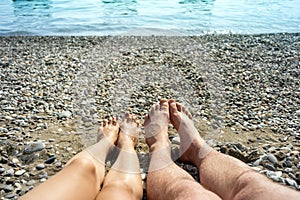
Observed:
{"x":192,"y":147}
{"x":129,"y":132}
{"x":127,"y":161}
{"x":97,"y":153}
{"x":156,"y":126}
{"x":109,"y":130}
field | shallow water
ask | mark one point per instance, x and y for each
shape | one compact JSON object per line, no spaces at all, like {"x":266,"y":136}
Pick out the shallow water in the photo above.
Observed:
{"x":111,"y":17}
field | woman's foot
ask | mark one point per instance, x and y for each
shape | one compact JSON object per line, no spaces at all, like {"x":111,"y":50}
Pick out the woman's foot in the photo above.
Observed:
{"x":192,"y":147}
{"x":107,"y":136}
{"x":109,"y":129}
{"x":97,"y":153}
{"x":129,"y":132}
{"x":127,"y":161}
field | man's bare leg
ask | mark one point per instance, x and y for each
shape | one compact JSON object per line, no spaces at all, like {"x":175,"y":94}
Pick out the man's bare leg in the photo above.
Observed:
{"x":224,"y":175}
{"x":84,"y":173}
{"x":124,"y":179}
{"x":165,"y":179}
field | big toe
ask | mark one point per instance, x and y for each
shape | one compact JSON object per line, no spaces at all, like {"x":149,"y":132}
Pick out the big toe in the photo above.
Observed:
{"x":164,"y":105}
{"x":173,"y":107}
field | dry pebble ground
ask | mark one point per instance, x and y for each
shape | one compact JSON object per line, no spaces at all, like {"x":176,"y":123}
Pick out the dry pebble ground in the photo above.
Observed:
{"x":243,"y":90}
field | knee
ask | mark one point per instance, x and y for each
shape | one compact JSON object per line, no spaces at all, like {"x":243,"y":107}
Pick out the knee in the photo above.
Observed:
{"x":84,"y":165}
{"x":126,"y":188}
{"x":248,"y":186}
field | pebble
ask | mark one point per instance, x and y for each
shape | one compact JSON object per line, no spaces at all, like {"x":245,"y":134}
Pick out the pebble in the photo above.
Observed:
{"x":20,"y":172}
{"x":33,"y":147}
{"x":9,"y":172}
{"x":270,"y":166}
{"x":272,"y":159}
{"x":176,"y":140}
{"x":291,"y":182}
{"x":31,"y":182}
{"x":7,"y":188}
{"x":40,"y":166}
{"x":50,"y":160}
{"x":15,"y":160}
{"x":64,"y":114}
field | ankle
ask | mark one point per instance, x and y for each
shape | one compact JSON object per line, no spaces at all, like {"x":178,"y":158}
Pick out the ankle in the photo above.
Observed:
{"x":199,"y":152}
{"x":158,"y":145}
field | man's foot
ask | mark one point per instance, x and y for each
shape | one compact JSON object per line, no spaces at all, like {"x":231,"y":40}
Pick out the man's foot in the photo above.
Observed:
{"x":129,"y":132}
{"x":156,"y":126}
{"x":192,"y":147}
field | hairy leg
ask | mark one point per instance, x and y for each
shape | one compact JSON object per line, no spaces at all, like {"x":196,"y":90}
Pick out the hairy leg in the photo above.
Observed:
{"x":84,"y":173}
{"x":165,"y":179}
{"x":124,"y":180}
{"x":224,"y":175}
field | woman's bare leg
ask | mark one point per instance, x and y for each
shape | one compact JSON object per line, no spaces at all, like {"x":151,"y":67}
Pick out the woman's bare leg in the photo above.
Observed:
{"x":82,"y":176}
{"x":124,"y":179}
{"x":224,"y":175}
{"x":165,"y":179}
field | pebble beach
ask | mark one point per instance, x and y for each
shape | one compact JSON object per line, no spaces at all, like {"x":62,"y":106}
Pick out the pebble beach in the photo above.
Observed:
{"x":243,"y":91}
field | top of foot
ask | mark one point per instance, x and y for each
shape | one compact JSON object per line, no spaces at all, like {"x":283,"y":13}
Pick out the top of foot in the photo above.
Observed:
{"x":129,"y":129}
{"x":156,"y":125}
{"x":109,"y":128}
{"x":192,"y":146}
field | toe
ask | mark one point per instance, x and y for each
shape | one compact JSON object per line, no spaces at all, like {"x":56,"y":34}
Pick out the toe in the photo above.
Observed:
{"x":126,"y":117}
{"x":164,"y":105}
{"x":110,"y":120}
{"x":105,"y":122}
{"x":173,"y":107}
{"x":114,"y":121}
{"x":179,"y":107}
{"x":171,"y":101}
{"x":157,"y":106}
{"x":152,"y":110}
{"x":146,"y":120}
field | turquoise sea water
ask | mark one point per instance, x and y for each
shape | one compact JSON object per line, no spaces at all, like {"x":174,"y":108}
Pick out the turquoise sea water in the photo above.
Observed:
{"x":139,"y":17}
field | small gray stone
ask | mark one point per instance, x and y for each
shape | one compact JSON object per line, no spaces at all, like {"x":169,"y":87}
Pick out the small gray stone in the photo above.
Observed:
{"x":51,"y":140}
{"x":10,"y":195}
{"x":176,"y":140}
{"x":144,"y":175}
{"x":20,"y":172}
{"x":288,"y":170}
{"x":33,"y":147}
{"x":64,"y":114}
{"x":8,"y":188}
{"x":256,"y":163}
{"x":269,"y":166}
{"x":40,"y":166}
{"x":50,"y":160}
{"x":15,"y":160}
{"x":23,"y":124}
{"x":43,"y":175}
{"x":31,"y":182}
{"x":9,"y":172}
{"x":291,"y":182}
{"x":288,"y":163}
{"x":272,"y":159}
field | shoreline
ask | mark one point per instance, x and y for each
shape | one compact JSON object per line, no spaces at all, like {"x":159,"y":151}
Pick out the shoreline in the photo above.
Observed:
{"x":243,"y":91}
